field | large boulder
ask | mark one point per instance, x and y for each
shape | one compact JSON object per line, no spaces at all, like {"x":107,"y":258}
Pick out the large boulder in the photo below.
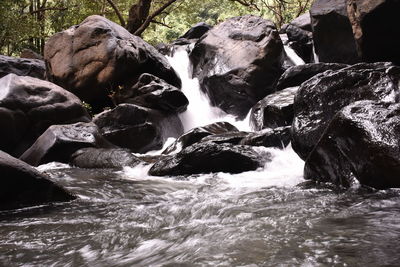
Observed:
{"x":361,"y":142}
{"x":21,"y":185}
{"x":207,"y":157}
{"x":28,"y":106}
{"x":98,"y":56}
{"x":332,"y":32}
{"x":238,"y":62}
{"x":59,"y":142}
{"x":196,"y":134}
{"x":22,"y":67}
{"x":137,"y":128}
{"x":296,"y":75}
{"x":103,"y":158}
{"x":321,"y":97}
{"x":152,"y":92}
{"x":375,"y":27}
{"x":275,"y":110}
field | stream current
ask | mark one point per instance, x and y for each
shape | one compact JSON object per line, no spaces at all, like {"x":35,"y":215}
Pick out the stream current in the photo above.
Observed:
{"x":268,"y":217}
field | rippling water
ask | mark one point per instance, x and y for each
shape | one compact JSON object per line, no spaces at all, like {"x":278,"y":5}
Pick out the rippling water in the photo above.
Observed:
{"x":267,"y":217}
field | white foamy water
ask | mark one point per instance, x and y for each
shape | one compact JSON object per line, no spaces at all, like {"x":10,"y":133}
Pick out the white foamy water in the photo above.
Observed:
{"x":199,"y":111}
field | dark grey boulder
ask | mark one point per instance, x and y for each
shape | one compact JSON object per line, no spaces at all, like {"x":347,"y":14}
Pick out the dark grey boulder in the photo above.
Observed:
{"x":22,"y":67}
{"x":376,"y":29}
{"x":137,"y":128}
{"x":238,"y":62}
{"x":28,"y":106}
{"x":153,"y":92}
{"x":103,"y":158}
{"x":208,"y":157}
{"x":321,"y":97}
{"x":99,"y":56}
{"x":296,"y":75}
{"x":303,"y":22}
{"x":196,"y":134}
{"x":275,"y":110}
{"x":22,"y":186}
{"x":59,"y":142}
{"x":332,"y":32}
{"x":362,"y":142}
{"x":197,"y":31}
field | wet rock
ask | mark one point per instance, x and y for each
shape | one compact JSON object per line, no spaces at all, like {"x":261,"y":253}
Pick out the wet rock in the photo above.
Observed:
{"x":152,"y":92}
{"x":207,"y":157}
{"x":238,"y":62}
{"x":196,"y":134}
{"x":59,"y":142}
{"x":22,"y":67}
{"x":275,"y":110}
{"x":234,"y":138}
{"x":28,"y":106}
{"x":296,"y":75}
{"x":374,"y":29}
{"x":332,"y":32}
{"x":362,"y":142}
{"x":22,"y":186}
{"x":197,"y":31}
{"x":278,"y":138}
{"x":137,"y":128}
{"x":98,"y":56}
{"x":104,"y":158}
{"x":321,"y":97}
{"x":301,"y":42}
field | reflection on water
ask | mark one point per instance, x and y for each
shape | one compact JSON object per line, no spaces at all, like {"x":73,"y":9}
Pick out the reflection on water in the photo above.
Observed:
{"x":129,"y":219}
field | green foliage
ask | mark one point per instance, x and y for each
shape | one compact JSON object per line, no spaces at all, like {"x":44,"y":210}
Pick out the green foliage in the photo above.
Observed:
{"x":25,"y":24}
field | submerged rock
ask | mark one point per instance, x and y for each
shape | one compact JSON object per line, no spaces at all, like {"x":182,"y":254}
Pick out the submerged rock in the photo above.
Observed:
{"x":238,"y":62}
{"x":98,"y":56}
{"x":332,"y":32}
{"x":22,"y":186}
{"x":207,"y":157}
{"x":104,"y":158}
{"x":28,"y":106}
{"x":321,"y":97}
{"x":22,"y":67}
{"x":59,"y":142}
{"x":375,"y":27}
{"x":152,"y":92}
{"x":296,"y":75}
{"x":197,"y":134}
{"x":361,"y":142}
{"x":137,"y":128}
{"x":275,"y":110}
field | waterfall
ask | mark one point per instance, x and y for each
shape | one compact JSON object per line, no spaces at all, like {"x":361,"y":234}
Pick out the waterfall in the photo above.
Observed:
{"x":199,"y":111}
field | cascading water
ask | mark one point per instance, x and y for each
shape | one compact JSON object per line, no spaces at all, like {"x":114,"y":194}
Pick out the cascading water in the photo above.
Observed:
{"x":257,"y":218}
{"x":199,"y":112}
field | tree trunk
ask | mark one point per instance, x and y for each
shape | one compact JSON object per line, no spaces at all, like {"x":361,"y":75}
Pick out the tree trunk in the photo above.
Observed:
{"x":138,"y":15}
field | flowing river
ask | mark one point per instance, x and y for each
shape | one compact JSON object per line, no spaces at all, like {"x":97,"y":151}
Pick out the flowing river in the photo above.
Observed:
{"x":268,"y":217}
